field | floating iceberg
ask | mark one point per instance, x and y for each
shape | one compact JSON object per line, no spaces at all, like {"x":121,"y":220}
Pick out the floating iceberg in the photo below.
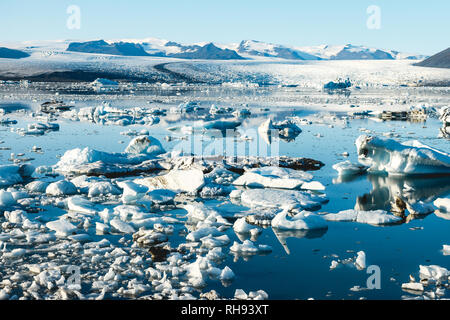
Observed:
{"x":61,"y":188}
{"x":346,"y":168}
{"x":62,"y":227}
{"x":301,"y":221}
{"x":176,"y":180}
{"x":376,"y":217}
{"x":145,"y":145}
{"x":274,"y":177}
{"x":443,"y":204}
{"x":282,"y":199}
{"x":433,"y":272}
{"x":394,"y":158}
{"x":248,"y":247}
{"x":139,"y":157}
{"x":360,"y":261}
{"x":222,"y":124}
{"x":285,"y":129}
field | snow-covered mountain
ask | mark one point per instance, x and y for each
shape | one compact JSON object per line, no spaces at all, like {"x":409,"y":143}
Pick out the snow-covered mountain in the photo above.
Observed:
{"x":169,"y":49}
{"x":354,"y":52}
{"x":246,"y":49}
{"x":258,"y":48}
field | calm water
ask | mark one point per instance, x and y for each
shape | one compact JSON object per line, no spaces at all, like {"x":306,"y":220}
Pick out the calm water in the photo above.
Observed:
{"x":299,"y":266}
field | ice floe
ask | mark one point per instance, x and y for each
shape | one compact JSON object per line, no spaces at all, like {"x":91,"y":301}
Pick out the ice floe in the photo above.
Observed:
{"x":282,"y":199}
{"x":301,"y":221}
{"x":443,"y":204}
{"x":347,"y":168}
{"x":175,"y":180}
{"x":375,"y":217}
{"x":408,"y":158}
{"x":61,"y":188}
{"x":276,"y":177}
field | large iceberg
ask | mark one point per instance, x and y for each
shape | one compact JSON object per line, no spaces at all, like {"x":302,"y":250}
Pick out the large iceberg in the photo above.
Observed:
{"x":395,"y":158}
{"x":138,"y":157}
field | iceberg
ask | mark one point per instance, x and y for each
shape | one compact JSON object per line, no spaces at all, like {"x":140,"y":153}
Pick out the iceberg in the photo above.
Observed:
{"x":248,"y":247}
{"x":347,"y":168}
{"x":176,"y":180}
{"x":282,"y":199}
{"x":276,"y":177}
{"x":138,"y":157}
{"x":301,"y":221}
{"x":222,"y":124}
{"x":443,"y":204}
{"x":61,"y":188}
{"x":145,"y":145}
{"x":433,"y":272}
{"x":62,"y":227}
{"x":286,"y":130}
{"x":395,"y":158}
{"x":375,"y":217}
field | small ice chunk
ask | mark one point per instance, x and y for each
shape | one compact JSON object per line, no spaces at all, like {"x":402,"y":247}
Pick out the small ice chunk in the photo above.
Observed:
{"x":62,"y":227}
{"x":248,"y":247}
{"x":240,"y":294}
{"x":121,"y":226}
{"x":273,"y":177}
{"x":81,"y":205}
{"x":302,"y":221}
{"x":15,"y":253}
{"x":443,"y":204}
{"x":161,"y":196}
{"x":6,"y":199}
{"x":313,"y":185}
{"x":347,"y":168}
{"x":227,"y":274}
{"x":281,"y":199}
{"x":446,"y":249}
{"x":413,"y":286}
{"x":241,"y":226}
{"x":433,"y":272}
{"x":375,"y":217}
{"x":61,"y":188}
{"x":132,"y":191}
{"x":37,"y":186}
{"x":176,"y":180}
{"x":145,"y":145}
{"x":203,"y":232}
{"x":102,"y":188}
{"x":360,"y":261}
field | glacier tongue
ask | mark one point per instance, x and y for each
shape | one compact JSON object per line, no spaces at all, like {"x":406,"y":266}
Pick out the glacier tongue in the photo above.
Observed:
{"x":395,"y":158}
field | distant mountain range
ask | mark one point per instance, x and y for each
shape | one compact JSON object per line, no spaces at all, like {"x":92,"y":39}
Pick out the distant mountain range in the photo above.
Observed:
{"x":246,"y":49}
{"x":101,"y":46}
{"x":439,"y":60}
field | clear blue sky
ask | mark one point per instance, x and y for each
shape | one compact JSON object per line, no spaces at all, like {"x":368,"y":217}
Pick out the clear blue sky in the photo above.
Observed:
{"x":412,"y":26}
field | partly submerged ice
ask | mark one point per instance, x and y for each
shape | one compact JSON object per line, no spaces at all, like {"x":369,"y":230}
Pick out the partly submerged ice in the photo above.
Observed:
{"x":395,"y":158}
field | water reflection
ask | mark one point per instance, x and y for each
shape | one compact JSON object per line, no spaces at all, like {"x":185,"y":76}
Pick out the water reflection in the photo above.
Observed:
{"x":283,"y":235}
{"x":410,"y":189}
